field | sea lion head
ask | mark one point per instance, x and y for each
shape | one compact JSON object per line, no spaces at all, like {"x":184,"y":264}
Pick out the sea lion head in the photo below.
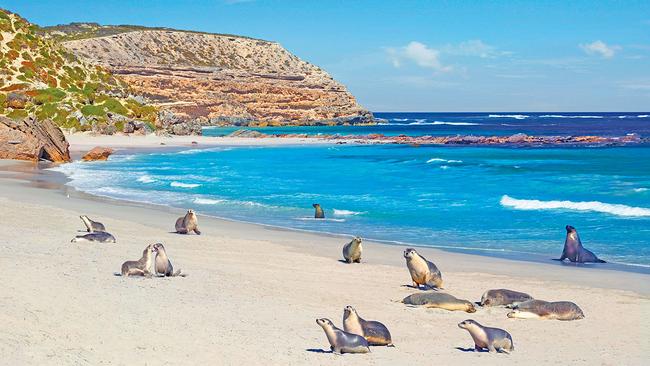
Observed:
{"x":152,"y":248}
{"x":409,"y":253}
{"x":315,"y":205}
{"x":158,"y":247}
{"x":572,"y":236}
{"x":357,"y":239}
{"x":349,"y":310}
{"x":470,"y":308}
{"x":324,"y":323}
{"x":467,"y":324}
{"x":190,"y":212}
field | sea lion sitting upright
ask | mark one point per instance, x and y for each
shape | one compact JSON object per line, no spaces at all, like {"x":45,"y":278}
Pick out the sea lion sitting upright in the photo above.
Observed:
{"x":187,"y":223}
{"x":441,"y":300}
{"x":343,"y":342}
{"x":318,"y":214}
{"x":540,"y":309}
{"x":494,"y":339}
{"x":141,"y":267}
{"x":352,"y":251}
{"x":97,"y":236}
{"x":574,"y":251}
{"x":163,"y":266}
{"x":91,"y":225}
{"x":500,"y":297}
{"x":422,"y":271}
{"x":373,"y":331}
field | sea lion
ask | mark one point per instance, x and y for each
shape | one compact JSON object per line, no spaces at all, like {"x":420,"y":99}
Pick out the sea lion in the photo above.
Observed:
{"x":187,"y":223}
{"x":163,"y":266}
{"x":441,"y":300}
{"x":574,"y":251}
{"x":503,"y":296}
{"x":97,"y":236}
{"x":341,"y":341}
{"x":141,"y":267}
{"x":91,"y":225}
{"x":494,"y":339}
{"x":373,"y":331}
{"x":422,"y":271}
{"x":540,"y":309}
{"x":318,"y":214}
{"x":352,"y":251}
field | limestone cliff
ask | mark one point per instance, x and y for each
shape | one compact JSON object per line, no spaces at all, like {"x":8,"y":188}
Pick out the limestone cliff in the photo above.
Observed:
{"x":214,"y":78}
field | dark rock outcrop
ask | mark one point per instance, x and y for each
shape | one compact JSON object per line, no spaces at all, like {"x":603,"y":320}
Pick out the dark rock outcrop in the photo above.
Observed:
{"x":30,"y":139}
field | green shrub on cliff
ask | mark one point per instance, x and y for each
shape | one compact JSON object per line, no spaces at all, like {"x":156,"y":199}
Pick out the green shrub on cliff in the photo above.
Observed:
{"x":56,"y":83}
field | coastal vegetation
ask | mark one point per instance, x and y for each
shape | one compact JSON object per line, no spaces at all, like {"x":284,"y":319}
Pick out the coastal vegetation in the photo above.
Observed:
{"x":39,"y":77}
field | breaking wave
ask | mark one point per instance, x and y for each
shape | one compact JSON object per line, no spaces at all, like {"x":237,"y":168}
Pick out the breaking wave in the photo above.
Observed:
{"x":595,"y":206}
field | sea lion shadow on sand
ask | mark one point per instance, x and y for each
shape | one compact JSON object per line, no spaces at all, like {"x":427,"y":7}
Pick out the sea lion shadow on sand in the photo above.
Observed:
{"x":470,"y":349}
{"x":318,"y":350}
{"x":422,"y":288}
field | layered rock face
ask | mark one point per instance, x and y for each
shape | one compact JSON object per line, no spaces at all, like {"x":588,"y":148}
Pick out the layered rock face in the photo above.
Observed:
{"x":29,"y":139}
{"x":219,"y":79}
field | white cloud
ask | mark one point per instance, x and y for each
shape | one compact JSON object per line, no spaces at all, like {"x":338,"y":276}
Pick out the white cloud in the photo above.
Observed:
{"x":419,"y":53}
{"x":600,"y":48}
{"x":475,"y":47}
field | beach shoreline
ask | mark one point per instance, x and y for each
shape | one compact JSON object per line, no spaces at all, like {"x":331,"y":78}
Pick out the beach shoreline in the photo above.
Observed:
{"x":297,"y":278}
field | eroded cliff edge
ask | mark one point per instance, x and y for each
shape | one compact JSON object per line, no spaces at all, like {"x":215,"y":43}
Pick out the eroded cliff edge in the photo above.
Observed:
{"x":215,"y":79}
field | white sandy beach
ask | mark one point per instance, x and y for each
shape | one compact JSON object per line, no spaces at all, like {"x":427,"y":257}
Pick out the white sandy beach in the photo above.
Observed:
{"x":253,"y":293}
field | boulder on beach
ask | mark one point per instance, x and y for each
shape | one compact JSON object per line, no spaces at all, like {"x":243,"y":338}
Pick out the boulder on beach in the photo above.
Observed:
{"x":98,"y":153}
{"x":32,"y":139}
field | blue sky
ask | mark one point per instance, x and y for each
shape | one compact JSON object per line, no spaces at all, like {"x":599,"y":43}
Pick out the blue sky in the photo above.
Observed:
{"x":427,"y":55}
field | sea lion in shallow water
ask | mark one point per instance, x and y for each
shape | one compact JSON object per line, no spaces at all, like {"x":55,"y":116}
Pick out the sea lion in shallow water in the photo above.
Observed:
{"x":318,"y":214}
{"x":441,"y":300}
{"x":141,"y":267}
{"x":574,"y":251}
{"x":163,"y":266}
{"x":352,"y":251}
{"x":341,"y":341}
{"x":187,"y":223}
{"x":494,"y":339}
{"x":500,"y":297}
{"x":422,"y":271}
{"x":92,"y":226}
{"x":373,"y":331}
{"x":540,"y":309}
{"x":97,"y":236}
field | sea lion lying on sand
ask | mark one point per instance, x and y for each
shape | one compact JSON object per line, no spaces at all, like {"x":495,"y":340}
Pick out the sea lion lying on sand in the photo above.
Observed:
{"x":574,"y":251}
{"x":141,"y":267}
{"x":441,"y":300}
{"x":422,"y":271}
{"x":187,"y":223}
{"x":373,"y":331}
{"x":97,"y":236}
{"x":352,"y":251}
{"x":540,"y":309}
{"x":494,"y":339}
{"x":318,"y":214}
{"x":92,"y":226}
{"x":500,"y":297}
{"x":163,"y":266}
{"x":341,"y":341}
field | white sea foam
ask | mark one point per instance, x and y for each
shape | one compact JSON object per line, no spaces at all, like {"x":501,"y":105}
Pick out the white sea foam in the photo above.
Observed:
{"x":206,"y":201}
{"x":444,"y":167}
{"x":346,"y":213}
{"x":596,"y":206}
{"x":183,"y":185}
{"x":564,"y":116}
{"x":642,"y":116}
{"x":400,"y":119}
{"x":640,"y":189}
{"x":515,"y":116}
{"x":439,"y":160}
{"x":146,"y":179}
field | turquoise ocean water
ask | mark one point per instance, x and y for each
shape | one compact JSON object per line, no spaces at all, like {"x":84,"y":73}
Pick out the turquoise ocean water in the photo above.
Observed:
{"x":511,"y":202}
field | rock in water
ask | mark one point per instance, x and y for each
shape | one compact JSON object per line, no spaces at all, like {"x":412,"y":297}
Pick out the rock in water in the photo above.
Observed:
{"x":30,"y":139}
{"x":98,"y":153}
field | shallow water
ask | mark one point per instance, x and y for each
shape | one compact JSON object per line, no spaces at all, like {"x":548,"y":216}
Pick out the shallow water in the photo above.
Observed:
{"x":499,"y":201}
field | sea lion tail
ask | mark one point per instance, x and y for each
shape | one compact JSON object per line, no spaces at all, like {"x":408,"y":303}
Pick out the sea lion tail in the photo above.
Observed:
{"x":598,"y":260}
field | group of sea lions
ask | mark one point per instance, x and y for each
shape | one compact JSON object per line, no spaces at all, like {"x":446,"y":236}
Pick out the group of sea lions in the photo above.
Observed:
{"x":358,"y":334}
{"x":162,"y":266}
